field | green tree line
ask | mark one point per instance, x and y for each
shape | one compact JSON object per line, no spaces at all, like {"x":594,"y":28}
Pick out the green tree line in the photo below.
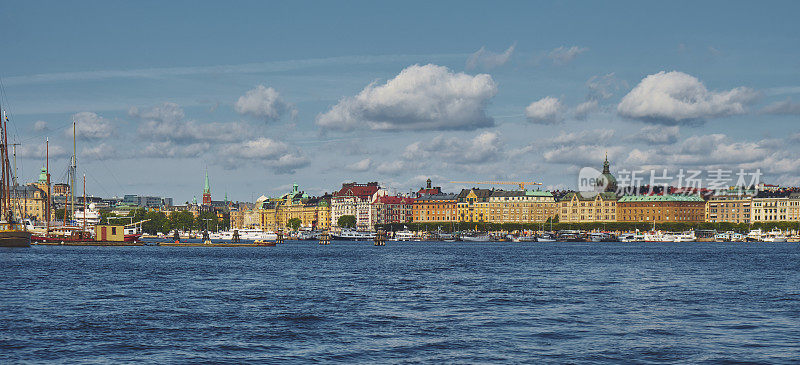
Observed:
{"x":161,"y":222}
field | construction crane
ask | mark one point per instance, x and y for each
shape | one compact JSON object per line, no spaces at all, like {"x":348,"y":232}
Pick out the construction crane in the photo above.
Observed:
{"x":521,"y":184}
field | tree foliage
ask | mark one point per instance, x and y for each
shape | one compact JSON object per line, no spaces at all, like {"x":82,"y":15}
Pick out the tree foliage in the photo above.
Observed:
{"x":346,"y":221}
{"x":294,"y":223}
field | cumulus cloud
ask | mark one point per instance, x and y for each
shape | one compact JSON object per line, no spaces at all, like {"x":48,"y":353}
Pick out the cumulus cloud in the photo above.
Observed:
{"x":485,"y":147}
{"x":657,"y":134}
{"x":428,"y":97}
{"x":165,"y":123}
{"x":488,"y":59}
{"x":90,"y":126}
{"x":547,"y":110}
{"x":101,"y":151}
{"x":563,"y":55}
{"x":597,"y":136}
{"x":603,"y":87}
{"x":266,"y":151}
{"x":582,"y":155}
{"x":168,"y":149}
{"x":360,"y":166}
{"x":39,"y":151}
{"x":264,"y":103}
{"x":40,"y":126}
{"x":675,"y":98}
{"x":785,"y":107}
{"x":584,"y":109}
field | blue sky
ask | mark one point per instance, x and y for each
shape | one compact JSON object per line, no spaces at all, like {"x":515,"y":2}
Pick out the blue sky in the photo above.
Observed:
{"x":265,"y":94}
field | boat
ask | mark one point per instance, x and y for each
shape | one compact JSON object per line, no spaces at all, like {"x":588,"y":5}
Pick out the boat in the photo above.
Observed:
{"x":353,"y":235}
{"x":738,"y":237}
{"x":404,"y":235}
{"x":13,"y":231}
{"x":475,"y":237}
{"x":245,"y":234}
{"x":627,"y":237}
{"x":755,"y":235}
{"x":91,"y":215}
{"x":687,"y":236}
{"x":774,"y":235}
{"x":722,"y":237}
{"x":602,"y":237}
{"x":570,"y":236}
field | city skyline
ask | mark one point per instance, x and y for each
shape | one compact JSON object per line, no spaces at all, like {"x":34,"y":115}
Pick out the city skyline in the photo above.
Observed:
{"x":437,"y":91}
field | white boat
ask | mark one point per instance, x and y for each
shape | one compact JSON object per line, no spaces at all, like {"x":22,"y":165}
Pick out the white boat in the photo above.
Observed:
{"x":353,"y":235}
{"x":722,"y":237}
{"x":687,"y":236}
{"x":91,"y":214}
{"x":245,"y":234}
{"x":404,"y":235}
{"x":737,"y":237}
{"x":484,"y":237}
{"x":755,"y":235}
{"x":775,"y":235}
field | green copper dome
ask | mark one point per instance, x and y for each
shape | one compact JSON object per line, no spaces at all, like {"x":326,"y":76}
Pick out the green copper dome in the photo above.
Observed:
{"x":43,"y":176}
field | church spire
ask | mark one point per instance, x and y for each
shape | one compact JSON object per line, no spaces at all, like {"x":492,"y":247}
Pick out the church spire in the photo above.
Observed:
{"x":606,"y":165}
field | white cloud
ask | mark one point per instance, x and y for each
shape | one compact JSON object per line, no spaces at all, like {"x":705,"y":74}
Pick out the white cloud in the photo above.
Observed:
{"x":785,"y":107}
{"x":40,"y":126}
{"x":597,"y":136}
{"x":583,"y":155}
{"x":90,"y":126}
{"x":658,"y":134}
{"x":485,"y":147}
{"x":360,"y":166}
{"x":165,"y":123}
{"x":39,"y":151}
{"x":675,"y":97}
{"x":168,"y":149}
{"x":563,"y":55}
{"x":269,"y":152}
{"x":547,"y":110}
{"x":264,"y":103}
{"x":101,"y":151}
{"x":603,"y":87}
{"x":584,"y":109}
{"x":488,"y":59}
{"x":428,"y":97}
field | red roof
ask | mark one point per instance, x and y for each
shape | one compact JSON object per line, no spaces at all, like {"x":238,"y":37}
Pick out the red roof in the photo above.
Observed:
{"x":360,"y":190}
{"x":429,"y":191}
{"x":386,"y":199}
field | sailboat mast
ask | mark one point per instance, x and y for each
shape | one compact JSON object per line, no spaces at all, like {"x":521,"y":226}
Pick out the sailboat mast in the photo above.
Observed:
{"x":84,"y":203}
{"x":6,"y":172}
{"x":47,"y":167}
{"x":72,"y":171}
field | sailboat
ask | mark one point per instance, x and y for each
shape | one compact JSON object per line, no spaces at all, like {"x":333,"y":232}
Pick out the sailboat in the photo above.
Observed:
{"x":13,"y":233}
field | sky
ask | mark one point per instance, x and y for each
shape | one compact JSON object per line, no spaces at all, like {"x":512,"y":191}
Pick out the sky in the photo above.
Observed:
{"x":262,"y":95}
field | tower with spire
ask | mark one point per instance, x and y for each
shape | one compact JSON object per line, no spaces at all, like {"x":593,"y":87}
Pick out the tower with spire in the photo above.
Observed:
{"x":207,"y":191}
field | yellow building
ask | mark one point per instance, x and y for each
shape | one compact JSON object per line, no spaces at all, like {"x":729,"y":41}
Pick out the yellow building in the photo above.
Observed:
{"x":314,"y":212}
{"x":473,"y":205}
{"x":521,"y":206}
{"x":770,"y":206}
{"x":729,"y":207}
{"x":435,"y":208}
{"x":574,"y":207}
{"x":794,"y":207}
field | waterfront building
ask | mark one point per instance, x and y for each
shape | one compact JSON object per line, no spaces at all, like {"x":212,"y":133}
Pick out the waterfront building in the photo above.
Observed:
{"x":31,"y":201}
{"x":150,"y":202}
{"x":429,"y":190}
{"x":313,"y":212}
{"x":574,"y":207}
{"x":356,"y":199}
{"x":473,"y":205}
{"x":392,"y":209}
{"x":794,"y":207}
{"x":730,"y":206}
{"x":661,"y":208}
{"x":521,"y":206}
{"x":770,"y":206}
{"x":61,"y":189}
{"x":439,"y":207}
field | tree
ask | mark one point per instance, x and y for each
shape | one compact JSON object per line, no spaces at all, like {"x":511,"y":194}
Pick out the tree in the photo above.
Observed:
{"x":181,"y":220}
{"x":346,"y":221}
{"x":294,"y":223}
{"x":60,"y":214}
{"x":209,"y":220}
{"x":157,"y":222}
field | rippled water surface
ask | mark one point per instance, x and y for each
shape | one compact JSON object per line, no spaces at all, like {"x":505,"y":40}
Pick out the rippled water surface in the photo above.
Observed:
{"x":405,"y":302}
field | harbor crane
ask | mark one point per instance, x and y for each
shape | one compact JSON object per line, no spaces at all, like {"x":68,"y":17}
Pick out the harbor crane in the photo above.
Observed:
{"x":521,"y":184}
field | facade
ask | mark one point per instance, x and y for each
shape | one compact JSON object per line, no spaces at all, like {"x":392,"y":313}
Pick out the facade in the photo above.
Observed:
{"x":435,"y":208}
{"x":472,"y":205}
{"x":313,"y":212}
{"x":661,"y":208}
{"x":356,"y":199}
{"x":392,"y":209}
{"x":574,"y":208}
{"x":770,"y":206}
{"x":244,"y":215}
{"x":429,"y":190}
{"x":519,"y":206}
{"x":31,"y":200}
{"x":61,"y":189}
{"x":729,"y":207}
{"x":794,"y":207}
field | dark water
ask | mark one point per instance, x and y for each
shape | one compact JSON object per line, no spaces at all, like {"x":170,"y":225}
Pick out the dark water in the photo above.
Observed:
{"x":406,"y":302}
